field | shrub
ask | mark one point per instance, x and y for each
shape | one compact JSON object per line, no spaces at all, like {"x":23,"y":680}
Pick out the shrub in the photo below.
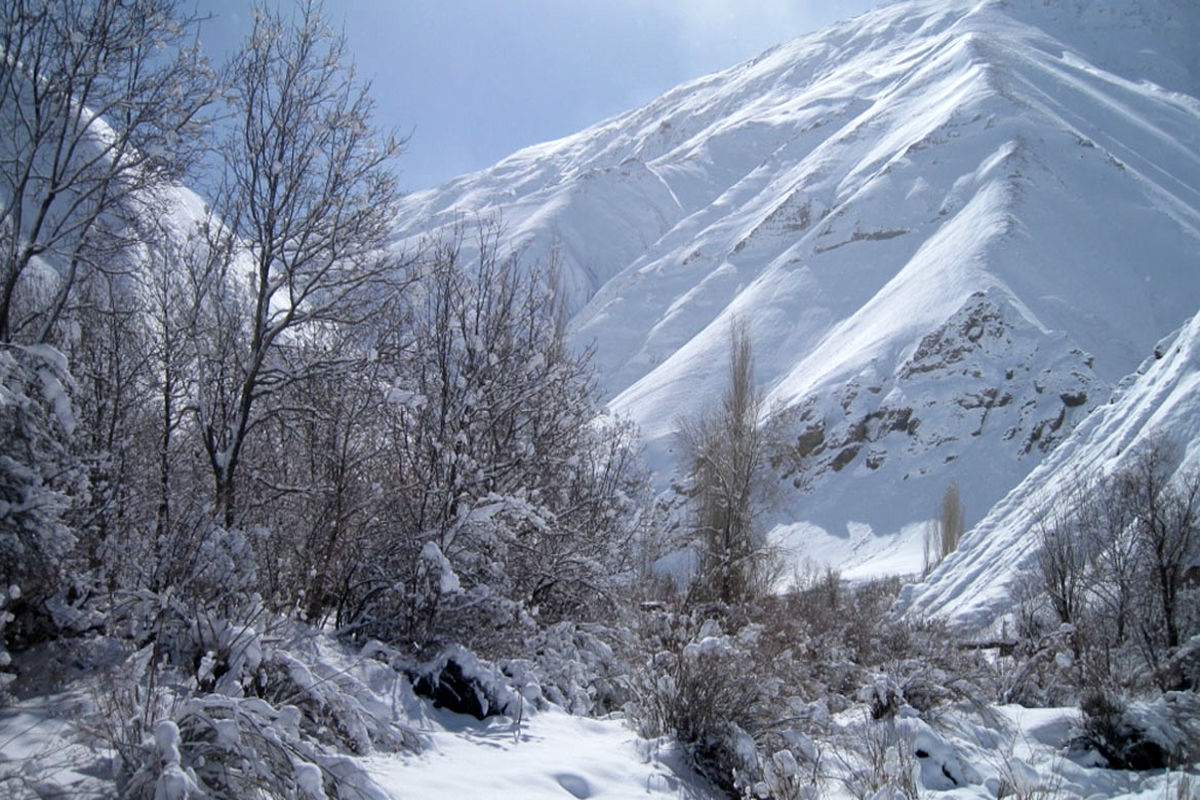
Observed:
{"x":1140,"y":736}
{"x":576,"y":667}
{"x":700,"y":686}
{"x":752,"y":706}
{"x":883,"y":764}
{"x":236,"y":747}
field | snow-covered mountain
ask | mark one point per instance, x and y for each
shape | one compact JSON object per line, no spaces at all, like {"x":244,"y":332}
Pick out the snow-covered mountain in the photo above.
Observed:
{"x":951,"y":226}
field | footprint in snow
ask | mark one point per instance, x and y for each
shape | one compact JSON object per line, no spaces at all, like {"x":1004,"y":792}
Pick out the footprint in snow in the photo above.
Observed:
{"x":575,"y":784}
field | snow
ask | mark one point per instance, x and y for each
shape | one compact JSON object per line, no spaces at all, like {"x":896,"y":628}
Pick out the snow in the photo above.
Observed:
{"x":308,"y":780}
{"x":541,"y":751}
{"x":37,"y":743}
{"x":858,"y":554}
{"x":542,"y":754}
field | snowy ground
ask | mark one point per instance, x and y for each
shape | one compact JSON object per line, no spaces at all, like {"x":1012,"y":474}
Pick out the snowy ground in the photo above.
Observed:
{"x":1006,"y":751}
{"x":546,"y":754}
{"x":45,"y":750}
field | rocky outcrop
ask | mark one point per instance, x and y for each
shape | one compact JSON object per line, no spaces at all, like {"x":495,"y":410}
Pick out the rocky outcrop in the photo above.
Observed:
{"x":983,"y":374}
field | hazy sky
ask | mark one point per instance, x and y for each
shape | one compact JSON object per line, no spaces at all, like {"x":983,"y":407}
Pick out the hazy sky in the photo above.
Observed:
{"x":474,"y":80}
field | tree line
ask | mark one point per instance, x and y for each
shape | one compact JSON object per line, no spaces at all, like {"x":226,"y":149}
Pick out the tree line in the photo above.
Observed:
{"x":256,"y":395}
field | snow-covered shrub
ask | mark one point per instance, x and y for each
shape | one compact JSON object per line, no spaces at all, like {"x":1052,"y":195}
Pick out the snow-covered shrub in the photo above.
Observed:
{"x":39,"y":476}
{"x":1184,"y":664}
{"x":798,"y":664}
{"x":1042,"y":669}
{"x":701,"y":686}
{"x":574,"y":666}
{"x":411,"y":594}
{"x":271,"y":725}
{"x":1164,"y":732}
{"x":5,"y":657}
{"x":334,"y":706}
{"x":218,"y":746}
{"x":461,"y":682}
{"x":215,"y":649}
{"x":780,"y":773}
{"x":830,"y":640}
{"x":881,"y":763}
{"x":1018,"y":780}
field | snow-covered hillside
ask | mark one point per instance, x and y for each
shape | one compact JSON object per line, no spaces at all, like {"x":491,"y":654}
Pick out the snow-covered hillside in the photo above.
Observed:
{"x":951,"y":226}
{"x":1161,"y":400}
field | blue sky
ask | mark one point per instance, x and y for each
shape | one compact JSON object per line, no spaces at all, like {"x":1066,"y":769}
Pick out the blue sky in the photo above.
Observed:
{"x":471,"y":81}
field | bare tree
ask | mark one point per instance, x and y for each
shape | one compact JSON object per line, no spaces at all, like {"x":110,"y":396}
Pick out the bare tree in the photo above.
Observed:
{"x":1167,"y":533}
{"x":1066,"y":540}
{"x":508,"y":493}
{"x":943,"y":535}
{"x":1114,"y":559}
{"x":304,"y":208}
{"x":162,"y":526}
{"x":101,"y":102}
{"x":1111,"y":546}
{"x":725,"y":451}
{"x":325,"y":491}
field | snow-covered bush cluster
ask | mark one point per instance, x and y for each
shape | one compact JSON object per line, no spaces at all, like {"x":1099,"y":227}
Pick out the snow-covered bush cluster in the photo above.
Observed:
{"x":284,"y":743}
{"x":1143,"y":734}
{"x":789,"y":694}
{"x":221,"y":424}
{"x":580,"y":667}
{"x":1110,"y":616}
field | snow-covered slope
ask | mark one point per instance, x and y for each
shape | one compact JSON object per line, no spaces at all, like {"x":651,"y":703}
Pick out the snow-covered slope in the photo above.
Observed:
{"x":950,"y":225}
{"x":1160,"y":401}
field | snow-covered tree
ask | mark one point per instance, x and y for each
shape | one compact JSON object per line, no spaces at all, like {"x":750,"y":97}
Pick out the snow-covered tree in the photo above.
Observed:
{"x":100,"y":101}
{"x":40,"y":478}
{"x":505,"y":493}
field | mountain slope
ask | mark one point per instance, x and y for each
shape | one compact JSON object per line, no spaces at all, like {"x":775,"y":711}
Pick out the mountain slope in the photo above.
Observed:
{"x":951,"y":227}
{"x":1161,"y":400}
